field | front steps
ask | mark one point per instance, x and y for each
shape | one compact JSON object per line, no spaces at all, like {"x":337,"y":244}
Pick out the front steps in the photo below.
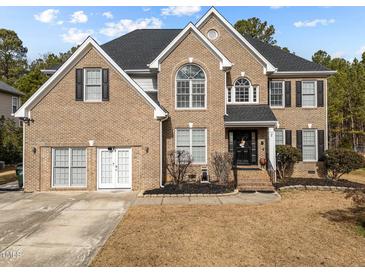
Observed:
{"x":252,"y":179}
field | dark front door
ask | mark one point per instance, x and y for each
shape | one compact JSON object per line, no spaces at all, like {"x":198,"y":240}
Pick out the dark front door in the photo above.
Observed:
{"x":243,"y":147}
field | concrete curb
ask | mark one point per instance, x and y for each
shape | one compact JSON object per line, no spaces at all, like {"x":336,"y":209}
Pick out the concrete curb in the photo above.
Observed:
{"x":142,"y":195}
{"x":325,"y":188}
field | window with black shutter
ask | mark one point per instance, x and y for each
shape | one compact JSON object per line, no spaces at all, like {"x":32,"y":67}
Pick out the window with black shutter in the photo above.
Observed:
{"x":79,"y":94}
{"x":288,"y":137}
{"x":105,"y":88}
{"x":298,"y":93}
{"x":287,"y":94}
{"x":321,"y":142}
{"x":320,"y":94}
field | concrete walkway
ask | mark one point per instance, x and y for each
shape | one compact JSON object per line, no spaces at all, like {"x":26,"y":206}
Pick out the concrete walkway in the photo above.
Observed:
{"x":12,"y":186}
{"x":57,"y":229}
{"x":239,"y":199}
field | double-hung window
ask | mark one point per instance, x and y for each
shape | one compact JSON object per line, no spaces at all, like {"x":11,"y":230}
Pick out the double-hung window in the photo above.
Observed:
{"x":190,"y":87}
{"x":279,"y":136}
{"x":93,"y":85}
{"x":14,"y":104}
{"x":69,"y":167}
{"x":277,"y":94}
{"x":309,"y":145}
{"x":309,"y":94}
{"x":194,"y":141}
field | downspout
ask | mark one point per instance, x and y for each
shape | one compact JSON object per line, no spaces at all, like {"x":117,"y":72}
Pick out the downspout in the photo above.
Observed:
{"x":161,"y":151}
{"x":23,"y":154}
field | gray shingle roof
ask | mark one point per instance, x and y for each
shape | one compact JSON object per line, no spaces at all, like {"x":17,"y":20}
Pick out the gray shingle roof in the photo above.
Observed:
{"x":283,"y":60}
{"x":4,"y":87}
{"x":138,"y":48}
{"x":249,"y":113}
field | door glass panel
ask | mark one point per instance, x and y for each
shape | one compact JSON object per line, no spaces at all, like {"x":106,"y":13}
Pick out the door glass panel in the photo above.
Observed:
{"x":123,"y":167}
{"x":106,"y":168}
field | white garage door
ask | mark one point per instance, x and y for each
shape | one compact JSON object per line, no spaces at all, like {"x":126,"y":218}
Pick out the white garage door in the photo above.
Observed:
{"x":115,"y":168}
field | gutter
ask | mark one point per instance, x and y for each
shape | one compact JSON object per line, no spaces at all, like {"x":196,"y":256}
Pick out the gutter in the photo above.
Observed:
{"x":161,"y":152}
{"x":304,"y":73}
{"x":251,"y":123}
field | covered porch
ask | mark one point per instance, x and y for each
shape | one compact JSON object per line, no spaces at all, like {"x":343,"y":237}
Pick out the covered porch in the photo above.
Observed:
{"x":251,"y":140}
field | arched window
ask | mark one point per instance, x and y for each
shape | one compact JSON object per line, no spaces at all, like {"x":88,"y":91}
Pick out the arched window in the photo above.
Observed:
{"x":243,"y":92}
{"x":190,"y":87}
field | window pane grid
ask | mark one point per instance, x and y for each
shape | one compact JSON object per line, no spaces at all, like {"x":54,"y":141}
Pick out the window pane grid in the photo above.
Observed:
{"x":93,"y":90}
{"x":309,"y":145}
{"x":69,"y":167}
{"x":276,"y":94}
{"x":192,"y":141}
{"x":190,"y":87}
{"x":279,"y":137}
{"x":308,"y":94}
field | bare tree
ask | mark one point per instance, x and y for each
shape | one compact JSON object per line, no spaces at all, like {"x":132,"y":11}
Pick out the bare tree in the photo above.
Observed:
{"x":222,"y":165}
{"x":178,"y":164}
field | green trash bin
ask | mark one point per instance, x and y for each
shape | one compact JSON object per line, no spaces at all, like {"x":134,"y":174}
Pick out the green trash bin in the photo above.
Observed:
{"x":19,"y":174}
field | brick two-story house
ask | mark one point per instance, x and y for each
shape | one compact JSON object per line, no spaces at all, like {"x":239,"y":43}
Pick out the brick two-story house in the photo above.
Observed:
{"x":108,"y":117}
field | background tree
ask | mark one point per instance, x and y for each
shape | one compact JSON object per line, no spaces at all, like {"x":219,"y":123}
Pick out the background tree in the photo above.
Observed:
{"x":13,"y":61}
{"x":256,"y":28}
{"x":10,"y":141}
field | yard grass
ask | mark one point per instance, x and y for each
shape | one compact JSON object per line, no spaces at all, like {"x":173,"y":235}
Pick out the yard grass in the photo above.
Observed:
{"x":7,"y":175}
{"x":306,"y":228}
{"x":357,"y":176}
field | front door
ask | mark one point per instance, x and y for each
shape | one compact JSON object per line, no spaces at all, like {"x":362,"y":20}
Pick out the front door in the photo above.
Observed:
{"x":243,"y":147}
{"x":114,"y":168}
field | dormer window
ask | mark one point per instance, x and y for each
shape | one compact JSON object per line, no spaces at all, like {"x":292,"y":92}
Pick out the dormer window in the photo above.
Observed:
{"x":243,"y":92}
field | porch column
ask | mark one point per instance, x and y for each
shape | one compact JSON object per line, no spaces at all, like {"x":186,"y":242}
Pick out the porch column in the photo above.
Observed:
{"x":271,"y":148}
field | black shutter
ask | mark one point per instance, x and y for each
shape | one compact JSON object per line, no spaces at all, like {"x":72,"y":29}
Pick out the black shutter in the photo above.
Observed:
{"x":105,"y":77}
{"x":288,"y":137}
{"x":320,"y":95}
{"x":299,"y":140}
{"x":320,"y":135}
{"x":298,"y":93}
{"x":79,"y":95}
{"x":287,"y":94}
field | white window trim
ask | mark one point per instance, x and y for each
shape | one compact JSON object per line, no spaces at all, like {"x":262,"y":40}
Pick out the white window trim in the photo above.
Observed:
{"x":191,"y":144}
{"x":283,"y":95}
{"x":316,"y":142}
{"x":17,"y":103}
{"x":250,"y":94}
{"x":283,"y":131}
{"x":315,"y":93}
{"x":101,"y":86}
{"x":191,"y":91}
{"x":69,"y":168}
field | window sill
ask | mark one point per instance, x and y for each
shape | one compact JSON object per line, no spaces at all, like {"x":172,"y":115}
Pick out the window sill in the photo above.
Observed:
{"x":190,"y":109}
{"x":277,"y":107}
{"x":242,"y":103}
{"x":309,"y":107}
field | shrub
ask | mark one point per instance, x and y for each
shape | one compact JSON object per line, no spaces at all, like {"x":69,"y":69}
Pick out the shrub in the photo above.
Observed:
{"x":177,"y":166}
{"x":357,"y":196}
{"x":341,"y":161}
{"x":286,"y":157}
{"x":222,"y":165}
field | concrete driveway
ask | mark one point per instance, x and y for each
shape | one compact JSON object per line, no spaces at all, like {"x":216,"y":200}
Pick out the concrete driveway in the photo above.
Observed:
{"x":57,"y":229}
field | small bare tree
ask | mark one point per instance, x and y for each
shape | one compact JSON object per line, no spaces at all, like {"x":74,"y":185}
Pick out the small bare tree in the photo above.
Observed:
{"x":178,"y":164}
{"x":222,"y":165}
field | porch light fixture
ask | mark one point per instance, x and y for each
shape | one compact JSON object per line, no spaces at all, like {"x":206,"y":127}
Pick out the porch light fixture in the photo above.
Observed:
{"x":34,"y":150}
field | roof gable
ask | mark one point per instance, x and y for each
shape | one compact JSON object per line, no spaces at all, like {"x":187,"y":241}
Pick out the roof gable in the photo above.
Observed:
{"x":24,"y":110}
{"x":236,"y":34}
{"x":4,"y":87}
{"x":224,"y":62}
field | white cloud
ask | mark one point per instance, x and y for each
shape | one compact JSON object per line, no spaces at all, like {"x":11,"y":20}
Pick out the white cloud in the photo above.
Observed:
{"x":79,"y":17}
{"x":108,"y":14}
{"x":276,"y":7}
{"x":146,"y":9}
{"x":180,"y":11}
{"x":126,"y":25}
{"x":60,"y":22}
{"x":76,"y":36}
{"x":313,"y":23}
{"x":47,"y":16}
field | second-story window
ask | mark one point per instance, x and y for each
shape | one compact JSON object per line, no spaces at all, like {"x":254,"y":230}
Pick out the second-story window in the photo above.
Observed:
{"x":14,"y":104}
{"x":243,"y":92}
{"x":277,"y":93}
{"x":309,"y":94}
{"x":93,"y":88}
{"x":190,"y":87}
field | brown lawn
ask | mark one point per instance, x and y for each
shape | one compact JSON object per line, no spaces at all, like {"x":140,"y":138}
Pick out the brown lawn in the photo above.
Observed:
{"x":357,"y":176}
{"x":307,"y":228}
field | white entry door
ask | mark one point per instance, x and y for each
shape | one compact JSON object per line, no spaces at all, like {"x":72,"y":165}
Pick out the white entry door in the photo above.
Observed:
{"x":115,"y":168}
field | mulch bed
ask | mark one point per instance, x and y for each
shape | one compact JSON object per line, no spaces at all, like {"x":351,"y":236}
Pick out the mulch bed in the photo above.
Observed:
{"x":191,"y":188}
{"x":318,"y":182}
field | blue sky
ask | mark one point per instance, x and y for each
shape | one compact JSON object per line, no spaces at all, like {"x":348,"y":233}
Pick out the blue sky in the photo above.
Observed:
{"x":338,"y":30}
